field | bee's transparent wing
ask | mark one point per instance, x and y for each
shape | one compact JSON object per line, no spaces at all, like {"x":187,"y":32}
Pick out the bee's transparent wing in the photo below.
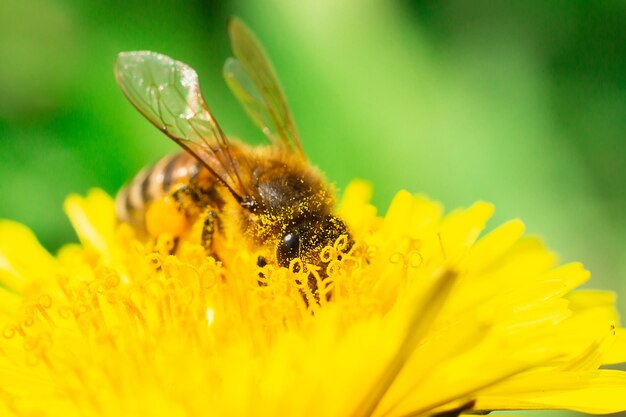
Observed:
{"x":167,"y":93}
{"x":252,"y":79}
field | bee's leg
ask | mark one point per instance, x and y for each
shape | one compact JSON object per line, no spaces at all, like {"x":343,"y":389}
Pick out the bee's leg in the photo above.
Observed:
{"x":209,"y":224}
{"x":262,"y":280}
{"x":195,"y":202}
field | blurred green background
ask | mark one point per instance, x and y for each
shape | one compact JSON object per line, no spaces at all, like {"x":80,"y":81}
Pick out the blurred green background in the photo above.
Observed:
{"x":522,"y":104}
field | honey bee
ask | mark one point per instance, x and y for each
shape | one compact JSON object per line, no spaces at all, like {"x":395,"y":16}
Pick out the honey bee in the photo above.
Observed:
{"x":281,"y":204}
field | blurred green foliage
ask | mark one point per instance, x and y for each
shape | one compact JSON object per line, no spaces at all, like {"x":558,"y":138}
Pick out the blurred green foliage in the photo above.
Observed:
{"x":518,"y":103}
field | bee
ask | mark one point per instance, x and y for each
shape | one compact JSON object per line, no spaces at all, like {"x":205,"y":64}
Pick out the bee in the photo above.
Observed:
{"x":276,"y":199}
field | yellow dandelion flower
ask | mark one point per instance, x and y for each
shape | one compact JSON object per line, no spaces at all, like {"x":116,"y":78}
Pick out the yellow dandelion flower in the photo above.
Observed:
{"x":422,"y":316}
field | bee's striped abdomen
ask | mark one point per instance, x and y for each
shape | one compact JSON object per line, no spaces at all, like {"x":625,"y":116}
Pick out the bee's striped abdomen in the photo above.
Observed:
{"x":152,"y":183}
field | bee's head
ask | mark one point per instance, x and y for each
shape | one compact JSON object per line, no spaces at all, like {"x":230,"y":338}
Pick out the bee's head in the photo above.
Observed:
{"x":307,"y":239}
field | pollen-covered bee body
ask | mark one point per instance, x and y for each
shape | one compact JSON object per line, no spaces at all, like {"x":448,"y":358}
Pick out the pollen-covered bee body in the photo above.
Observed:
{"x":294,"y":213}
{"x":271,"y":195}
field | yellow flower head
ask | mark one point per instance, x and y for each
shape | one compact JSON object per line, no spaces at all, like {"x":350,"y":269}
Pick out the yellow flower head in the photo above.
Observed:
{"x":420,"y":316}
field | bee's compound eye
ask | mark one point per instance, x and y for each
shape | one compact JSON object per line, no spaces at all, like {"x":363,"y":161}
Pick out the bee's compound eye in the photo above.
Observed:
{"x":288,"y":249}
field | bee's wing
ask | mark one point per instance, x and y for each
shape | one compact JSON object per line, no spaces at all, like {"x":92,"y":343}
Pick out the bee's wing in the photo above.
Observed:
{"x":252,"y":79}
{"x":167,"y":93}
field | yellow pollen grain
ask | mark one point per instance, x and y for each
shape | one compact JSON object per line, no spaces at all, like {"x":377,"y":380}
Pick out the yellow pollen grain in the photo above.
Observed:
{"x":164,"y":217}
